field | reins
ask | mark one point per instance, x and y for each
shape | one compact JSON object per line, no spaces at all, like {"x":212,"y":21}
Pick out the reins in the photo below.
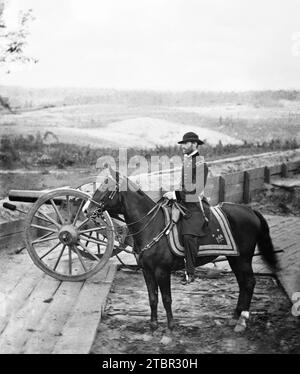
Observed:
{"x":154,"y":211}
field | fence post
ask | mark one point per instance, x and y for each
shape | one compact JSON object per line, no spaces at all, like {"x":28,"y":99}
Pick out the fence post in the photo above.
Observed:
{"x":284,"y":171}
{"x":221,"y":189}
{"x":246,"y":189}
{"x":267,"y":178}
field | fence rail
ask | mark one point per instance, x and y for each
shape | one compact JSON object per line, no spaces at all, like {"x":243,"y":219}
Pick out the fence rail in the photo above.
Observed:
{"x":238,"y":187}
{"x":235,"y":187}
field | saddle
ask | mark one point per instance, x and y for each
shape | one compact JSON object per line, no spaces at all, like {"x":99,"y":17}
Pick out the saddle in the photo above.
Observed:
{"x":218,"y":240}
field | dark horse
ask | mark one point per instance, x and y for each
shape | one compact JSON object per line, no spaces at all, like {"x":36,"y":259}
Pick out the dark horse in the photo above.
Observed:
{"x":249,"y":228}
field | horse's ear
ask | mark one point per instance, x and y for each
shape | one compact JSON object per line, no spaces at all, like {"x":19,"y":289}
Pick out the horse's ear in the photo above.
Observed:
{"x":113,"y":173}
{"x":111,"y":170}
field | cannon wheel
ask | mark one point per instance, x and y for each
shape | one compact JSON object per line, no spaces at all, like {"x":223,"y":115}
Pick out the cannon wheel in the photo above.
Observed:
{"x":64,"y":243}
{"x":89,"y":186}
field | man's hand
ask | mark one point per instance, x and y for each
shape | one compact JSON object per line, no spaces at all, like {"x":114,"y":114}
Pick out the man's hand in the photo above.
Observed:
{"x":170,"y":195}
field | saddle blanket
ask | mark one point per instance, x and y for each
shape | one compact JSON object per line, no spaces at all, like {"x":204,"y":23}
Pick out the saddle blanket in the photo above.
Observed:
{"x":219,"y":240}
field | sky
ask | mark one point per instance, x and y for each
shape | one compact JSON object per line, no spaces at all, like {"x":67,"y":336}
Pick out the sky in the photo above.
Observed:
{"x":160,"y":44}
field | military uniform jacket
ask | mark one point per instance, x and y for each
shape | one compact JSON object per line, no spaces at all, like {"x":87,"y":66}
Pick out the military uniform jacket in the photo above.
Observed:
{"x":193,"y":180}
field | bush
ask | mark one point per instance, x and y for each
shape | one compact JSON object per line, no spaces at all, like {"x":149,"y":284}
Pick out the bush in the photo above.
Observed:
{"x":31,"y":150}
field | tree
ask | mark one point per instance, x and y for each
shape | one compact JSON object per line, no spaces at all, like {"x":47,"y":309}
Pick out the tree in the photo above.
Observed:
{"x":13,"y":42}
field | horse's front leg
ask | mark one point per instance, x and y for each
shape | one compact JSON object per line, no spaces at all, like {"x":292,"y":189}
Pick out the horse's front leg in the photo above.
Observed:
{"x":163,"y":278}
{"x":153,"y":296}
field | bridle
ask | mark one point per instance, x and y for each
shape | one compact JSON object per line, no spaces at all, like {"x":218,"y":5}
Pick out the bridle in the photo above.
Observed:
{"x":98,"y":212}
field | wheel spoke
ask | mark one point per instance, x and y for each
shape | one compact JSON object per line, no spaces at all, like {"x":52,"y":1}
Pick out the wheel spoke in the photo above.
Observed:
{"x":98,"y":246}
{"x":57,"y":211}
{"x":83,"y":223}
{"x":98,"y":228}
{"x":70,"y":260}
{"x":80,"y":259}
{"x":51,"y":250}
{"x":51,"y":220}
{"x":44,"y":238}
{"x":59,"y":257}
{"x":87,"y":242}
{"x":43,"y":228}
{"x":87,"y":250}
{"x":93,"y":240}
{"x":78,"y":211}
{"x":68,"y":207}
{"x":42,"y":218}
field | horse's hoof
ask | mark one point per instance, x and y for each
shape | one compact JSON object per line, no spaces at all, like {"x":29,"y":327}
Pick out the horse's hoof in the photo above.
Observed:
{"x":153,"y":326}
{"x":232,"y":322}
{"x":239,"y":328}
{"x":166,"y":340}
{"x":171,"y":325}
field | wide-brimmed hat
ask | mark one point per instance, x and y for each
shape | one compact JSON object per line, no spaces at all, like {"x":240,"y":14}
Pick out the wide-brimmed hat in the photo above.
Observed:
{"x":191,"y":137}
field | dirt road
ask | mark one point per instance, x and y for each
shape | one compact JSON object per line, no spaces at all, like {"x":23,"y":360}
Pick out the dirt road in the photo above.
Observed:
{"x":202,"y":313}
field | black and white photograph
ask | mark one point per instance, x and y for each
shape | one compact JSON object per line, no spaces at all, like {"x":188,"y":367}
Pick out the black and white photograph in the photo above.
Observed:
{"x":149,"y":180}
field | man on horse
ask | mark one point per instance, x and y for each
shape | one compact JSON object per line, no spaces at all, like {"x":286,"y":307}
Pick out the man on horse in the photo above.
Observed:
{"x":194,"y":224}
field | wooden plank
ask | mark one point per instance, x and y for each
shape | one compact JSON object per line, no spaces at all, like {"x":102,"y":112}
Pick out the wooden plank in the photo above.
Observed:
{"x":256,"y":184}
{"x":17,"y":287}
{"x":284,"y":170}
{"x":12,"y":242}
{"x":289,"y":183}
{"x":267,"y":175}
{"x":246,"y":188}
{"x":294,"y":167}
{"x":285,"y":233}
{"x":11,"y":227}
{"x":235,"y":197}
{"x":234,"y":178}
{"x":257,"y":173}
{"x":213,"y":194}
{"x":234,"y":189}
{"x":222,"y":191}
{"x":47,"y":332}
{"x":275,"y":170}
{"x":86,"y":315}
{"x":212,"y":182}
{"x":214,"y":200}
{"x":26,"y":319}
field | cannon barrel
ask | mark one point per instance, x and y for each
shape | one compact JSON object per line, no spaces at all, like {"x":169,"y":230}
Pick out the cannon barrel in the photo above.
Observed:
{"x":30,"y":196}
{"x":9,"y":206}
{"x":26,"y":196}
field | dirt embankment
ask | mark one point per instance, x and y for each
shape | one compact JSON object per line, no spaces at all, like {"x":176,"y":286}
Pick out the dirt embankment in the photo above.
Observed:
{"x":241,"y":163}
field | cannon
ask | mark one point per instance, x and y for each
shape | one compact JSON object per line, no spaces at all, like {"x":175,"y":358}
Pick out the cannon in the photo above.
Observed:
{"x":61,"y":240}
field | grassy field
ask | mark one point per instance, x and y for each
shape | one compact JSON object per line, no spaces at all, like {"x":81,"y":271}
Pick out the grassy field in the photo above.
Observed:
{"x":113,"y":125}
{"x":75,"y":127}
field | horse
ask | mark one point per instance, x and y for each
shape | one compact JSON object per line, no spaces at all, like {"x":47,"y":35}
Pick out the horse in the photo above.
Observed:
{"x":146,"y":226}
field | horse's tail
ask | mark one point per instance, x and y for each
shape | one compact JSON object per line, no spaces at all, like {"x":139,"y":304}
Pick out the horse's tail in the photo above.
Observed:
{"x":265,"y":244}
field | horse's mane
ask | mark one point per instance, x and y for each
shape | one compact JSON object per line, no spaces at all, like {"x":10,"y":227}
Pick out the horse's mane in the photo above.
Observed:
{"x":139,"y":190}
{"x":135,"y":187}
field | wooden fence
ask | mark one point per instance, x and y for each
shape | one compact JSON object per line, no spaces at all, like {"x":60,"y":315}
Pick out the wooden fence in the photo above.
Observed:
{"x":11,"y":235}
{"x":238,"y":187}
{"x":235,"y":187}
